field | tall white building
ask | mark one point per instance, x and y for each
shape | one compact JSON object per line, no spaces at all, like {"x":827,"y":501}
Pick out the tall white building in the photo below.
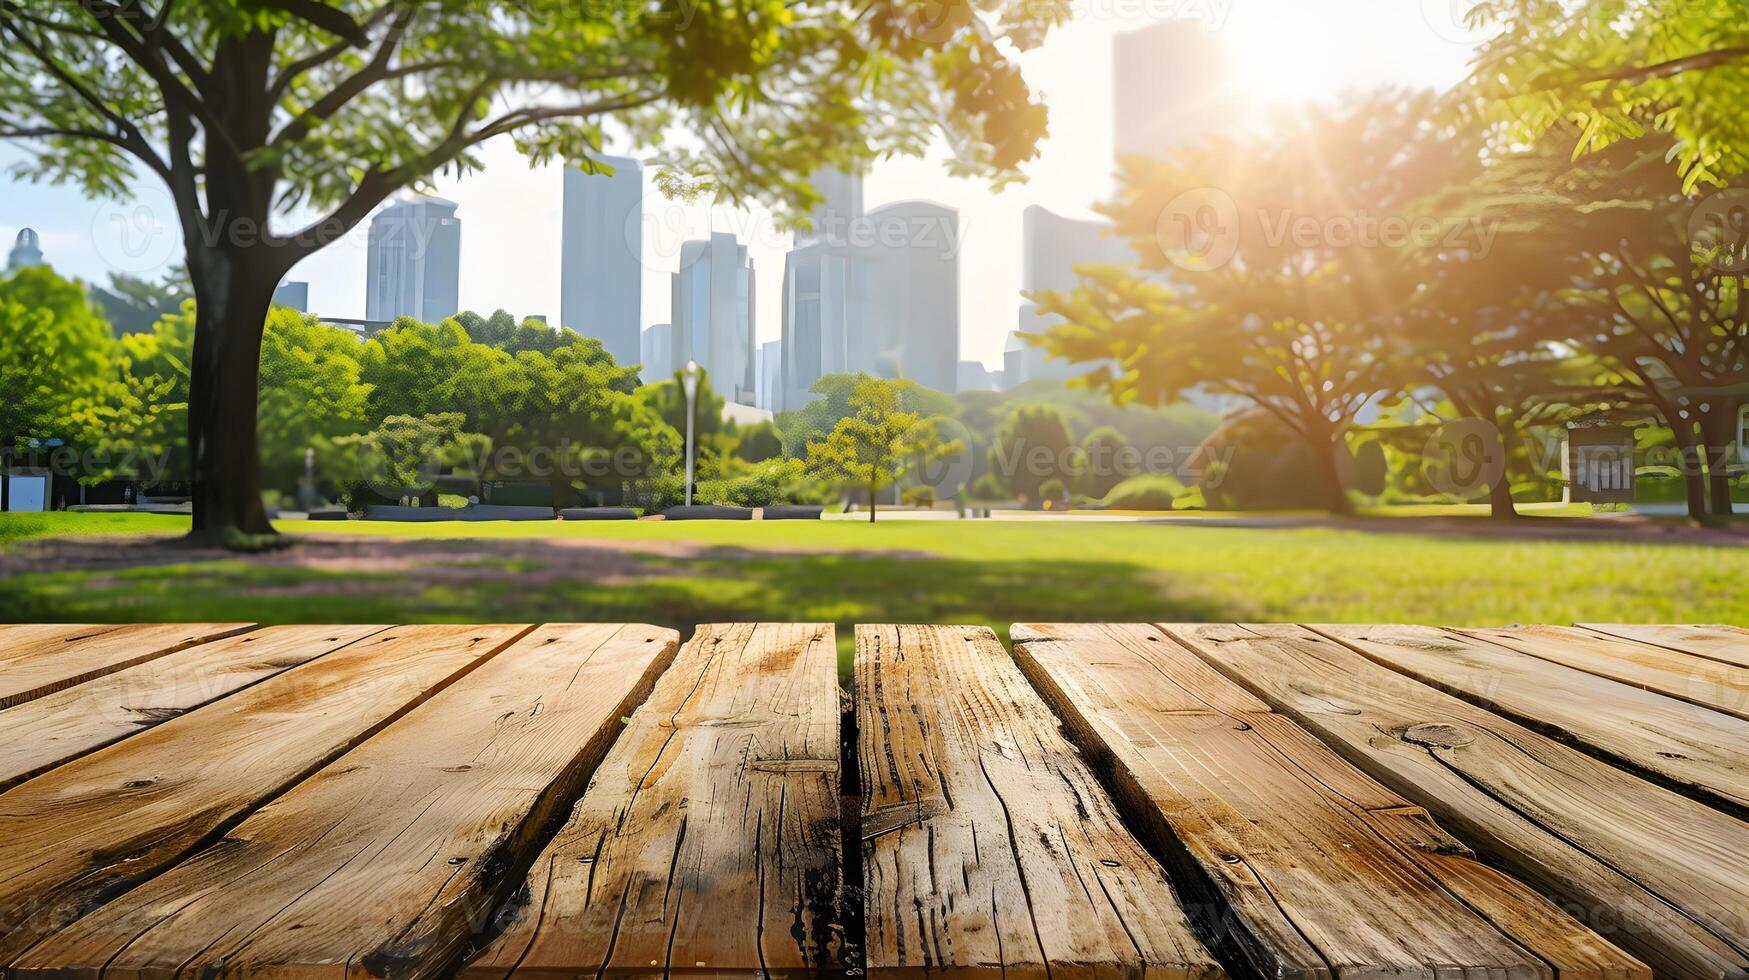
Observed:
{"x":414,"y":261}
{"x":1171,"y":83}
{"x":916,"y":293}
{"x":769,"y":374}
{"x":656,"y":355}
{"x":713,"y":313}
{"x":877,"y":293}
{"x":600,"y":256}
{"x":1052,"y":247}
{"x":828,"y":319}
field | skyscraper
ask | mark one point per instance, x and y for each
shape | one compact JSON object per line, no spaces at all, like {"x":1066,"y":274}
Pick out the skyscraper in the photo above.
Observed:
{"x":713,"y":313}
{"x":916,"y":294}
{"x":842,"y":204}
{"x":601,"y":256}
{"x":26,"y":251}
{"x":414,"y":257}
{"x":770,"y":374}
{"x":828,"y":318}
{"x":293,"y":295}
{"x":828,"y":289}
{"x":1172,"y":82}
{"x":657,"y":354}
{"x":1052,"y":246}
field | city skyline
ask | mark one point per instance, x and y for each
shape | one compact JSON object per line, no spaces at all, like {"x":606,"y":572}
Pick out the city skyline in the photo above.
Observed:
{"x":514,"y":213}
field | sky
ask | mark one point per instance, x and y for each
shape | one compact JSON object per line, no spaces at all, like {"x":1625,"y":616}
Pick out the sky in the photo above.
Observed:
{"x":1286,"y":51}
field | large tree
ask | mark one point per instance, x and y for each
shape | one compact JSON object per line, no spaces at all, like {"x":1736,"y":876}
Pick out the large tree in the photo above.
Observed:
{"x":1259,"y":268}
{"x":278,"y":125}
{"x":1647,"y":279}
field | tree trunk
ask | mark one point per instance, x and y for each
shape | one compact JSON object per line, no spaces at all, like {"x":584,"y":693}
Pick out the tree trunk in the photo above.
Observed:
{"x":1717,"y":435}
{"x":1500,"y":503}
{"x":874,"y":494}
{"x":6,"y":474}
{"x":232,"y":292}
{"x":1332,"y":474}
{"x":1693,"y":480}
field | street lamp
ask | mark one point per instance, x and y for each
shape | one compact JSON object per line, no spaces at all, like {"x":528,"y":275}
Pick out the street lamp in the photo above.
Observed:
{"x":689,"y":381}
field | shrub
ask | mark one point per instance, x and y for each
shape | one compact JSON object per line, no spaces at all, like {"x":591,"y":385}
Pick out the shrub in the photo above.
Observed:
{"x":1147,"y":492}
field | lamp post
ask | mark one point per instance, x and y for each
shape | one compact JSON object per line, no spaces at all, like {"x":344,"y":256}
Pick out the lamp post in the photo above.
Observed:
{"x":689,"y":381}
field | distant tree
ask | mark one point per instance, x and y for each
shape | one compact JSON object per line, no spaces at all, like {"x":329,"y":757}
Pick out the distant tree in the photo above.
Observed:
{"x":249,"y":112}
{"x":417,"y":369}
{"x":311,"y":393}
{"x":879,"y":444}
{"x":1105,"y":453}
{"x":1622,"y":69}
{"x":758,"y":442}
{"x":815,"y":420}
{"x":1033,"y":447}
{"x":404,"y":454}
{"x":54,"y":348}
{"x":132,"y":304}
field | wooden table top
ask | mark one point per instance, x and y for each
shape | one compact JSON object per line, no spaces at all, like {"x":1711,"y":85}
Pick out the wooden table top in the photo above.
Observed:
{"x":1160,"y":801}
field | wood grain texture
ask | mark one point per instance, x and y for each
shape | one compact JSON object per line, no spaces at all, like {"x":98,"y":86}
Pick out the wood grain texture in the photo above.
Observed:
{"x":39,"y":660}
{"x":390,"y":861}
{"x":56,"y":728}
{"x":74,"y":837}
{"x":1322,"y":872}
{"x":1656,"y":873}
{"x":989,"y":847}
{"x":1708,"y":683}
{"x":1704,"y":752}
{"x":708,"y":842}
{"x":1726,"y":644}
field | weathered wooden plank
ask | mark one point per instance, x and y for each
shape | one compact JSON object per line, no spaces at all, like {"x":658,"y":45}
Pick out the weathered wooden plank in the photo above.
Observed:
{"x":989,"y":847}
{"x":1654,"y":872}
{"x":1726,"y":644}
{"x":708,"y":841}
{"x":75,"y":836}
{"x":39,"y":660}
{"x":1324,"y":873}
{"x":1708,"y":683}
{"x":388,"y":862}
{"x":56,"y":728}
{"x":1702,"y":750}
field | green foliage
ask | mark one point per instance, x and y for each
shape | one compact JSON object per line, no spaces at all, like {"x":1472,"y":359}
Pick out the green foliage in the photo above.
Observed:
{"x":1606,"y":71}
{"x":758,"y":442}
{"x":815,"y":420}
{"x":1032,"y":448}
{"x":1147,"y":492}
{"x":403,"y":456}
{"x":880,"y":443}
{"x":311,"y":394}
{"x":54,"y":348}
{"x":1106,"y":455}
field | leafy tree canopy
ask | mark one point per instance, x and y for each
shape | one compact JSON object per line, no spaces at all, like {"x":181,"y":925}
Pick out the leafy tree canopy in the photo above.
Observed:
{"x":1622,"y":69}
{"x":880,"y":443}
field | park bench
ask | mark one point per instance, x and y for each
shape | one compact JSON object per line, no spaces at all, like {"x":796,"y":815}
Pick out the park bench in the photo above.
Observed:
{"x":1180,"y":802}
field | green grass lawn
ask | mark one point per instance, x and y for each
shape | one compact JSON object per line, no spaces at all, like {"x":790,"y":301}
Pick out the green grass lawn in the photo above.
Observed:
{"x":683,"y":573}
